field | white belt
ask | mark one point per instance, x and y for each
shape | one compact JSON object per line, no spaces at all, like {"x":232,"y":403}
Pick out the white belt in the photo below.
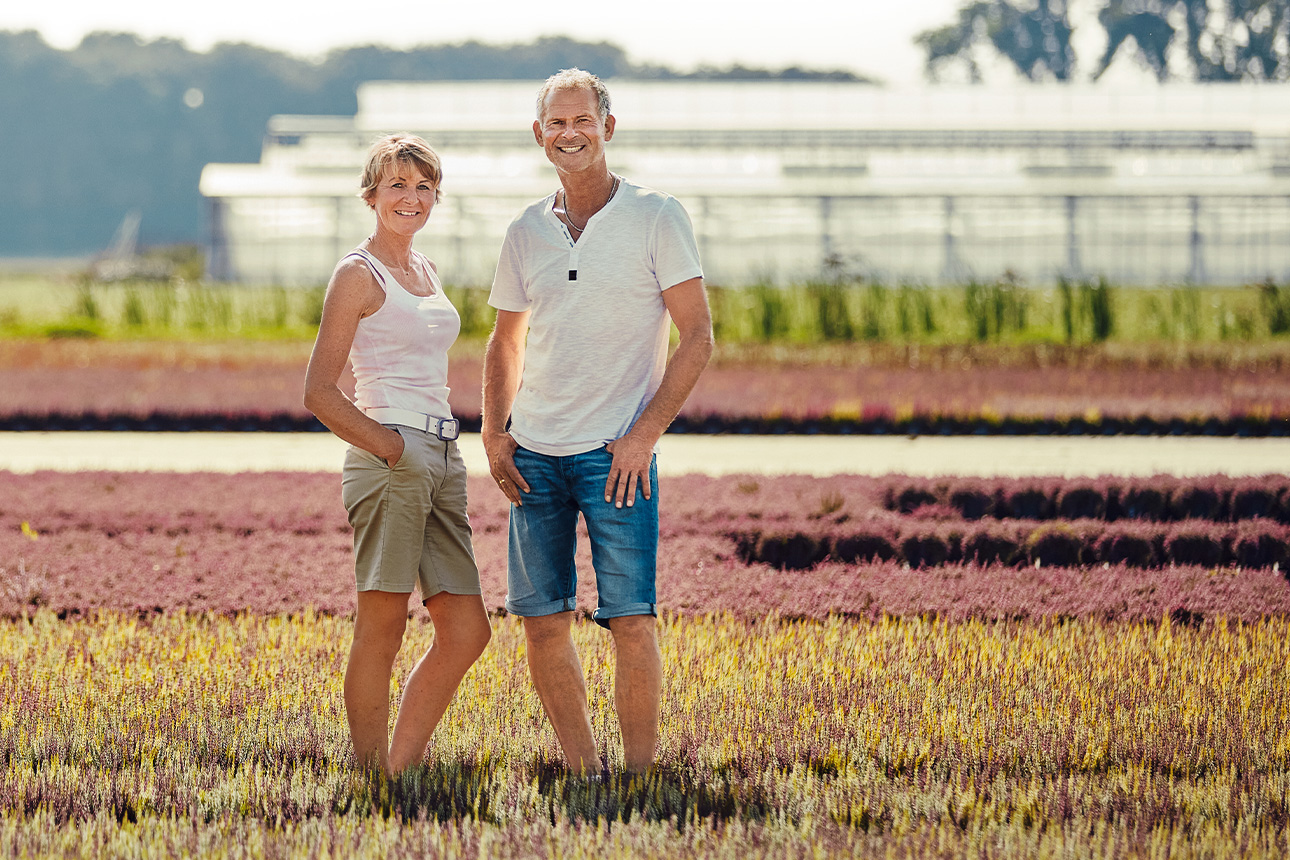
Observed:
{"x":446,"y":429}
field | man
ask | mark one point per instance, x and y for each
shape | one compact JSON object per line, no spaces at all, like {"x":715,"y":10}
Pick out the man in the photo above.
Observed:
{"x":588,"y":278}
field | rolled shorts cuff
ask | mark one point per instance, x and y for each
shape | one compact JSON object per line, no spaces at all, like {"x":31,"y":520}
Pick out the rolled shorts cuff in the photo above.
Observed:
{"x":603,"y":614}
{"x":537,"y":610}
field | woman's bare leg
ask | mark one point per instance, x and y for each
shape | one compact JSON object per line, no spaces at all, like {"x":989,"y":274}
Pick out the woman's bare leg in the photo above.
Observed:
{"x":379,"y":623}
{"x":461,"y":632}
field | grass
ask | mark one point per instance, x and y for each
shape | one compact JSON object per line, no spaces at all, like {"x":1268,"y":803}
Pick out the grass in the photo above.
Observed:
{"x":838,"y":312}
{"x":1002,"y":312}
{"x":211,"y":735}
{"x":71,"y":308}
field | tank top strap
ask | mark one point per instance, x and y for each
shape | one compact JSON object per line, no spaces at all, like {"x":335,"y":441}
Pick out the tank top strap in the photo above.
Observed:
{"x":382,"y":274}
{"x":431,"y":274}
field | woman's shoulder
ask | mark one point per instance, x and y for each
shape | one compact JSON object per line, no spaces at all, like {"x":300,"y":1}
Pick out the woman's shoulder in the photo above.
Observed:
{"x":354,"y":280}
{"x":355,"y":268}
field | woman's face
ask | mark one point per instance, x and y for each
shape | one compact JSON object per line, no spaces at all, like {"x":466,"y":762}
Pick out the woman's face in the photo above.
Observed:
{"x":403,"y":198}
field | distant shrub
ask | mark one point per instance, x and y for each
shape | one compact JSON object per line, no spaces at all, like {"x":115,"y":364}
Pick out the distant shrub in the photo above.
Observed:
{"x":746,"y":545}
{"x":791,"y":550}
{"x":924,"y":549}
{"x":990,"y":546}
{"x":934,"y":511}
{"x":1260,"y":545}
{"x":864,"y":546}
{"x":770,"y":312}
{"x":1131,"y":548}
{"x":1195,"y":544}
{"x":832,"y":311}
{"x":1081,"y":502}
{"x":831,"y":501}
{"x":1055,"y":544}
{"x":1274,"y":301}
{"x":1144,"y":502}
{"x":1198,"y":502}
{"x":1028,"y":503}
{"x":972,"y":503}
{"x":1255,"y":500}
{"x":1260,"y":550}
{"x":911,"y":498}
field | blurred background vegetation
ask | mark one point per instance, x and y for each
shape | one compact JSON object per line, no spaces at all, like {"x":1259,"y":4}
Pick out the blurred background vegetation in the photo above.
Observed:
{"x":838,"y":311}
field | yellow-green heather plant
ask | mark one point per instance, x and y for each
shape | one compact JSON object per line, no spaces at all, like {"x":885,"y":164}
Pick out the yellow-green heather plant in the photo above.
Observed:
{"x":181,"y":734}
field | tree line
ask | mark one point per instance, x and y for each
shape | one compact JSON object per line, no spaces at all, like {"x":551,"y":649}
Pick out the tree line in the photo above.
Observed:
{"x":119,"y":124}
{"x":1200,"y":40}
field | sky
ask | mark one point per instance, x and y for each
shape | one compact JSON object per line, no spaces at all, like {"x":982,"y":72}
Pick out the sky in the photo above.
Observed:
{"x":869,"y":37}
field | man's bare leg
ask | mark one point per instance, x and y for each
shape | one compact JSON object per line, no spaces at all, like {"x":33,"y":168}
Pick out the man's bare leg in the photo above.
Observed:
{"x":557,"y":676}
{"x":638,"y":688}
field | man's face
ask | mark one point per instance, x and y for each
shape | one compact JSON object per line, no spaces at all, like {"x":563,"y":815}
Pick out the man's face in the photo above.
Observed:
{"x":571,"y":130}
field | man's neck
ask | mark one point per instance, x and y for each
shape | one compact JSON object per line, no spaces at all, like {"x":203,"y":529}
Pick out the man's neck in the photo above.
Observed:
{"x":587,"y":191}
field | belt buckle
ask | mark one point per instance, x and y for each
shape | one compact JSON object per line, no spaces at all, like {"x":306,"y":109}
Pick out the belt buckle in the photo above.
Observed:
{"x":448,"y":429}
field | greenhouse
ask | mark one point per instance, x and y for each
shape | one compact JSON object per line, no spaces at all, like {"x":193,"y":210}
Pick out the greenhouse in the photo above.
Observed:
{"x":791,"y":181}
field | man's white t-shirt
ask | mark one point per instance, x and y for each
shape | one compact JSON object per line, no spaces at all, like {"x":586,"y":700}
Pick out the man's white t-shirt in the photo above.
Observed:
{"x":598,"y":328}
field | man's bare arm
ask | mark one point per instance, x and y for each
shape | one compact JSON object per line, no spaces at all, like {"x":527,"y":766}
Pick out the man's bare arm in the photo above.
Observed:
{"x":687,"y":302}
{"x":503,"y":367}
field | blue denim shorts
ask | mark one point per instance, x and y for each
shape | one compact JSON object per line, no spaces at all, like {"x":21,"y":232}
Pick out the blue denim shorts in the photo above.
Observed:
{"x":541,"y":577}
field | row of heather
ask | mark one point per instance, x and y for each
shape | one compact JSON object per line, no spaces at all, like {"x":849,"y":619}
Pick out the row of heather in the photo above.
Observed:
{"x":1155,"y":499}
{"x":861,"y":388}
{"x":308,"y":503}
{"x":926,"y":543}
{"x":869,"y":423}
{"x":78,"y":543}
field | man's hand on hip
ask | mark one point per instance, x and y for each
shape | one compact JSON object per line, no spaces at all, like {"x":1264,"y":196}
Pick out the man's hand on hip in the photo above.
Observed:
{"x":632,"y":458}
{"x":500,"y":448}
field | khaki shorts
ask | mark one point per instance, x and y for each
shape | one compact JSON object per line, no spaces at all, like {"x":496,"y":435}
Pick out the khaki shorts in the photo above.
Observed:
{"x":410,"y":524}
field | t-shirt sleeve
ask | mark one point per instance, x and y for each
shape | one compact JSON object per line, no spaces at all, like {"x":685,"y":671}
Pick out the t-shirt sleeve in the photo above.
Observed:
{"x":676,"y":254}
{"x":508,"y":292}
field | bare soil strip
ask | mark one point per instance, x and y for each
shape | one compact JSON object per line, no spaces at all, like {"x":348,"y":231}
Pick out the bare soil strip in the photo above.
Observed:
{"x":685,"y":454}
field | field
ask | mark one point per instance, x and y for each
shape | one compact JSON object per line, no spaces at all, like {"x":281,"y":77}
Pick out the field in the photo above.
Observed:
{"x":103,"y":384}
{"x":825,"y":357}
{"x":855,"y":666}
{"x":174,"y":645}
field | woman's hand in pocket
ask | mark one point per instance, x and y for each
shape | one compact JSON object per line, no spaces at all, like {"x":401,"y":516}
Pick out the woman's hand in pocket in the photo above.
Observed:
{"x":392,"y":452}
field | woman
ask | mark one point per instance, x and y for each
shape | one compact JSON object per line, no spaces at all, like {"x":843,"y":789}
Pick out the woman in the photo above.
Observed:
{"x":404,"y":481}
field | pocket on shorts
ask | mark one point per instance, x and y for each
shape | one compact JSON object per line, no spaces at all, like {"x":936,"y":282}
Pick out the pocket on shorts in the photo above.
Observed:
{"x":407,"y":446}
{"x":371,"y":459}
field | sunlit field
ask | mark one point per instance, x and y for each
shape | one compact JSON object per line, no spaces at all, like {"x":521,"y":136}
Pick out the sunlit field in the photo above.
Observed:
{"x":855,"y":667}
{"x":215,"y":735}
{"x":172,"y":650}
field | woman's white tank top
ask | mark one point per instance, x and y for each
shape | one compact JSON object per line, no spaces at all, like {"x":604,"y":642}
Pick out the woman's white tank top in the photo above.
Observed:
{"x":400,"y":353}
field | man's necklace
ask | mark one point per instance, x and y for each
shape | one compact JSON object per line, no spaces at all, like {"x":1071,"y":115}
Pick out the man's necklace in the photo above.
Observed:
{"x":562,"y":212}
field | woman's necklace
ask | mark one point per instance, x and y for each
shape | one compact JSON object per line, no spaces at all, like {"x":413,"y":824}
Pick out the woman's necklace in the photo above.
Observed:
{"x":409,"y":271}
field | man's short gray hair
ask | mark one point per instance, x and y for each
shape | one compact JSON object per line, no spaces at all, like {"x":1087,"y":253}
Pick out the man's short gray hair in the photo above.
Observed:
{"x":574,"y":79}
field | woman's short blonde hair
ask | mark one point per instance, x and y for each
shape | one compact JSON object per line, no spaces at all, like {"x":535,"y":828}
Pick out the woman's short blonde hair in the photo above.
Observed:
{"x":404,"y":149}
